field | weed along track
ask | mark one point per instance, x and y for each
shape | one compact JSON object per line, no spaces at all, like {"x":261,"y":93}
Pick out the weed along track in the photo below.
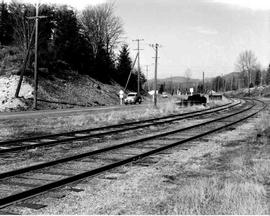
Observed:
{"x":55,"y":139}
{"x":22,"y":184}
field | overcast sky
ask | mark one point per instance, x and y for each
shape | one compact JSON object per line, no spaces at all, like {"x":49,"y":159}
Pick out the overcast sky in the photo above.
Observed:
{"x":203,"y":35}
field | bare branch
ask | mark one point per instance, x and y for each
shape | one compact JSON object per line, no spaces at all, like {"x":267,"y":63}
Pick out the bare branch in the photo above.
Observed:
{"x":245,"y":64}
{"x":101,"y":26}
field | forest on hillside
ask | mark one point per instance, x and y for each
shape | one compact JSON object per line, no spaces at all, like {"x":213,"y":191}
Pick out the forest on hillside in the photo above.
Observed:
{"x":86,"y":42}
{"x":89,"y":43}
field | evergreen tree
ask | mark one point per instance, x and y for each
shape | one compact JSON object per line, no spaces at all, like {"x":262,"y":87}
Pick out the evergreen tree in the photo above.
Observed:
{"x":124,"y":66}
{"x":6,"y":29}
{"x":234,"y":83}
{"x":267,"y":79}
{"x":217,"y":83}
{"x":200,"y":88}
{"x":45,"y":31}
{"x":161,"y":89}
{"x":104,"y":69}
{"x":257,"y":77}
{"x":69,"y":44}
{"x":65,"y":38}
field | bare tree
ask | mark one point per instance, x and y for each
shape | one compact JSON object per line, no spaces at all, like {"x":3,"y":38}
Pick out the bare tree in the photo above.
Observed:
{"x":246,"y":63}
{"x":101,"y":26}
{"x":21,"y":24}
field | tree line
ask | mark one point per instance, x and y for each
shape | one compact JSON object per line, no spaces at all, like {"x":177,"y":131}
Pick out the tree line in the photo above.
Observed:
{"x":84,"y":42}
{"x":248,"y":73}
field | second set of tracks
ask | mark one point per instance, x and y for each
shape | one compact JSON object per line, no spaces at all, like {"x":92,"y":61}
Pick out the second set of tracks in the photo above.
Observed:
{"x":54,"y":139}
{"x":57,"y":173}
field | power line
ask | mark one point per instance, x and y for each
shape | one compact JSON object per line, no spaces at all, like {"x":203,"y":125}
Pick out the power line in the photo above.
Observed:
{"x":131,"y":72}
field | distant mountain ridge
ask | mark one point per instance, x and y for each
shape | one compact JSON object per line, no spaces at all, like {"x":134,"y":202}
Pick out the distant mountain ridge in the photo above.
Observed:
{"x":181,"y":79}
{"x":175,"y":79}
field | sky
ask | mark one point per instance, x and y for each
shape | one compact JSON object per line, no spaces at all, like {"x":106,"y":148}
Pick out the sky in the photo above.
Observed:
{"x":202,"y":35}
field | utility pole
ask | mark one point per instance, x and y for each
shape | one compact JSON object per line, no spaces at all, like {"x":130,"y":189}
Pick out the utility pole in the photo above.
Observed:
{"x":155,"y":46}
{"x":203,"y":83}
{"x":261,"y":78}
{"x":36,"y":54}
{"x":139,"y":67}
{"x":147,"y":69}
{"x":171,"y":86}
{"x":249,"y":80}
{"x":36,"y":59}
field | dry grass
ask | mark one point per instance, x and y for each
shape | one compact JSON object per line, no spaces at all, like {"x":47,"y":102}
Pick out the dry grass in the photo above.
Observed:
{"x":212,"y":103}
{"x":237,"y":185}
{"x":217,"y":196}
{"x":65,"y":123}
{"x":263,"y":122}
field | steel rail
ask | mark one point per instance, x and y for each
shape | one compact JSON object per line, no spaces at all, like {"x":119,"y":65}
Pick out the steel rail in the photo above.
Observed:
{"x":105,"y":127}
{"x":54,"y":142}
{"x":6,"y":201}
{"x":79,"y":156}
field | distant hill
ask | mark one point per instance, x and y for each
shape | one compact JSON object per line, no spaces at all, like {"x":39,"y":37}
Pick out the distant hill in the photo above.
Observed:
{"x":172,"y":83}
{"x":175,"y":80}
{"x":231,"y":75}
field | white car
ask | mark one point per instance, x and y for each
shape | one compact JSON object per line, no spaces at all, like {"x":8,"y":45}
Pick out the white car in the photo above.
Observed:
{"x":133,"y":98}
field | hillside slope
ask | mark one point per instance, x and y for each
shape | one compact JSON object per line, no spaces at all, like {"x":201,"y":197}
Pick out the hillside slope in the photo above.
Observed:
{"x":62,"y":89}
{"x":56,"y":93}
{"x":81,"y":90}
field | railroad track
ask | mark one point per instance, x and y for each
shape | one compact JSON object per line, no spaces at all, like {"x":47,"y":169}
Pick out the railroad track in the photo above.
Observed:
{"x":30,"y":180}
{"x":55,"y":139}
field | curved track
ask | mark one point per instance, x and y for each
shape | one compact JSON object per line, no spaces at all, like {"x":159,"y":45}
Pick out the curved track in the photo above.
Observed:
{"x":70,"y":169}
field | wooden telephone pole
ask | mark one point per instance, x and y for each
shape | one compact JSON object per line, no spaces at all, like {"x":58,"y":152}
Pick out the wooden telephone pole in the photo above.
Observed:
{"x":203,"y":84}
{"x":139,"y":67}
{"x":36,"y":54}
{"x":155,"y":46}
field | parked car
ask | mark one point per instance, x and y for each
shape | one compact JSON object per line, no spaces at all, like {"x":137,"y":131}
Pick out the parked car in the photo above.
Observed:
{"x":132,"y":98}
{"x":164,"y":95}
{"x":194,"y":99}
